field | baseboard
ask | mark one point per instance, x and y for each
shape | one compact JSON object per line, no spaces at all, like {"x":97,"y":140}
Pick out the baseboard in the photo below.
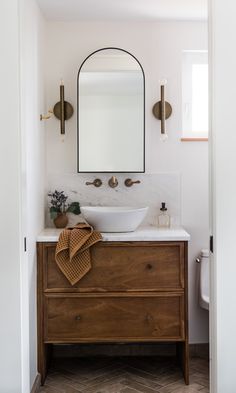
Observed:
{"x":121,"y":349}
{"x":199,"y":350}
{"x":36,"y":384}
{"x":85,"y":350}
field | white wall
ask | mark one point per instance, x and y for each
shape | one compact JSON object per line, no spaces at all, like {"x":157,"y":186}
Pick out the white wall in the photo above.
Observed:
{"x":22,"y":189}
{"x":33,"y":147}
{"x":223,"y":31}
{"x":158,"y":46}
{"x":11,"y":240}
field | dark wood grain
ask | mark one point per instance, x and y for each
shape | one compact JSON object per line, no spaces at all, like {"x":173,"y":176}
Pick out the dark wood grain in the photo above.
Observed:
{"x":123,"y":267}
{"x":183,"y":348}
{"x":44,"y":350}
{"x":135,"y":292}
{"x":112,"y":318}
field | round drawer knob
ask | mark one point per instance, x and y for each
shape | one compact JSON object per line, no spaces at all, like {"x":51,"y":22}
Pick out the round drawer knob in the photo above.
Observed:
{"x":149,"y":266}
{"x":78,"y":318}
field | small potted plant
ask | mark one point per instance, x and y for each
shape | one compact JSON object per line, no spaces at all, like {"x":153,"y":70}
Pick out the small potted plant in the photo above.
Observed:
{"x":59,"y":207}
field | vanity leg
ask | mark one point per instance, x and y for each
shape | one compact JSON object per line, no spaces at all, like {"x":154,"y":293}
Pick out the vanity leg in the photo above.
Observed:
{"x":44,"y":358}
{"x":44,"y":350}
{"x":182,"y":351}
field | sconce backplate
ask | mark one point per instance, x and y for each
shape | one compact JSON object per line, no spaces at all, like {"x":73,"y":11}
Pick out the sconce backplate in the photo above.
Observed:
{"x":156,"y":110}
{"x":68,"y":108}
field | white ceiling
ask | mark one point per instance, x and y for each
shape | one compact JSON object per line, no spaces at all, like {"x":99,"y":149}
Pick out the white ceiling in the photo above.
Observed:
{"x":124,"y":10}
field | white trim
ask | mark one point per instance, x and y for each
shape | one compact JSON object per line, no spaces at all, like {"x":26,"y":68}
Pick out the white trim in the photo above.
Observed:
{"x":25,"y":334}
{"x":223,"y":191}
{"x":212,"y":306}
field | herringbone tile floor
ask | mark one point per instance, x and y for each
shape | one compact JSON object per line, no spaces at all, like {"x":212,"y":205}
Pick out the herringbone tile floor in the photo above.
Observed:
{"x":124,"y":375}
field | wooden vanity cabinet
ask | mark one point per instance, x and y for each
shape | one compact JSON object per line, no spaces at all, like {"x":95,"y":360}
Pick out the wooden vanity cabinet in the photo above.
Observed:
{"x":135,"y":292}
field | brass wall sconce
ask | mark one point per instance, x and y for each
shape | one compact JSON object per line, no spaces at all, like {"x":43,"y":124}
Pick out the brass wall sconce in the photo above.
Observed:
{"x":62,"y":110}
{"x":162,"y":110}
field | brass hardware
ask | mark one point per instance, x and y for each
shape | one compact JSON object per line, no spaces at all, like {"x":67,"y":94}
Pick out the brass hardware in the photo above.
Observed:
{"x":113,"y":182}
{"x":68,"y":110}
{"x":130,"y":182}
{"x":96,"y":183}
{"x":62,"y":110}
{"x":162,"y":110}
{"x":78,"y":318}
{"x":156,"y":110}
{"x":47,"y":116}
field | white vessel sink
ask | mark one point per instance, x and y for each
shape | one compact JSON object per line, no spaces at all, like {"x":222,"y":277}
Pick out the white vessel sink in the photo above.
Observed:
{"x":114,"y":219}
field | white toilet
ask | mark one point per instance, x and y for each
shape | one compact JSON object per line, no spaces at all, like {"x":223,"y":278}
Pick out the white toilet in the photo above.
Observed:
{"x":204,"y":282}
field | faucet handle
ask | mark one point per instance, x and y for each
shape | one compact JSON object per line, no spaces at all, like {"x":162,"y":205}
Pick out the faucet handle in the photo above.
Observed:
{"x":130,"y":182}
{"x":96,"y":183}
{"x":113,"y":182}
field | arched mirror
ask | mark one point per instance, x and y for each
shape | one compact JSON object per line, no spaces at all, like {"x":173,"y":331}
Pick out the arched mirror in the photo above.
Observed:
{"x":111,"y":113}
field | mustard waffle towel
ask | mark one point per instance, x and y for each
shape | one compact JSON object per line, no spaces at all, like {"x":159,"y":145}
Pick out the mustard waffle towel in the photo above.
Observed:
{"x":72,"y":251}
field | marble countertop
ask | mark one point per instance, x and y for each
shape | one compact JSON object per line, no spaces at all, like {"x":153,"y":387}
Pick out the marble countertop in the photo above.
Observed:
{"x":149,"y":233}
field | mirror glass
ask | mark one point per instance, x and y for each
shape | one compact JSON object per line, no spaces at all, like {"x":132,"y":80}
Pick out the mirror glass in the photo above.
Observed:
{"x":111,"y":113}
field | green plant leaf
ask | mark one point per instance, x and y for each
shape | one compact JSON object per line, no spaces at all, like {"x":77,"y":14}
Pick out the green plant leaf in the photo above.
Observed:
{"x":54,"y":212}
{"x":74,"y":208}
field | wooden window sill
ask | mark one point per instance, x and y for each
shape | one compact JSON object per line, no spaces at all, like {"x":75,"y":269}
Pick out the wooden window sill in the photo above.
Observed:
{"x":194,"y":139}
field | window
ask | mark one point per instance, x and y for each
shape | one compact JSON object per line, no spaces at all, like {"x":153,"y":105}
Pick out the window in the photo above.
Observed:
{"x":195,"y":94}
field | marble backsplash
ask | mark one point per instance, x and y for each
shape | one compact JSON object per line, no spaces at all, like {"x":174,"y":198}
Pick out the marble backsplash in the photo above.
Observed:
{"x":153,"y":189}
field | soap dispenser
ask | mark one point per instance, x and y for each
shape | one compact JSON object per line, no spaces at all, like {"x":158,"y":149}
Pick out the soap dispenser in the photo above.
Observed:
{"x":163,"y":217}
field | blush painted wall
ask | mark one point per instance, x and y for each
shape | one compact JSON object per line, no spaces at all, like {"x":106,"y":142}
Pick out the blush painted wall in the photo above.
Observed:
{"x":158,"y":46}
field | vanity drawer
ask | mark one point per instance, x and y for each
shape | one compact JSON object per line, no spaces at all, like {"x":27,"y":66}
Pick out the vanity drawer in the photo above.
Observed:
{"x":107,"y":318}
{"x":145,"y":266}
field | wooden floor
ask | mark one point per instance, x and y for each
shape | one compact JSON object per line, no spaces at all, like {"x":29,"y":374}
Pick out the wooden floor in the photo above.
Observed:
{"x":124,"y":375}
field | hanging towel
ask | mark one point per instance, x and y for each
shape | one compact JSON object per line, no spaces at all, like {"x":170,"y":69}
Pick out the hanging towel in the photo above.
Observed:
{"x":72,"y":251}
